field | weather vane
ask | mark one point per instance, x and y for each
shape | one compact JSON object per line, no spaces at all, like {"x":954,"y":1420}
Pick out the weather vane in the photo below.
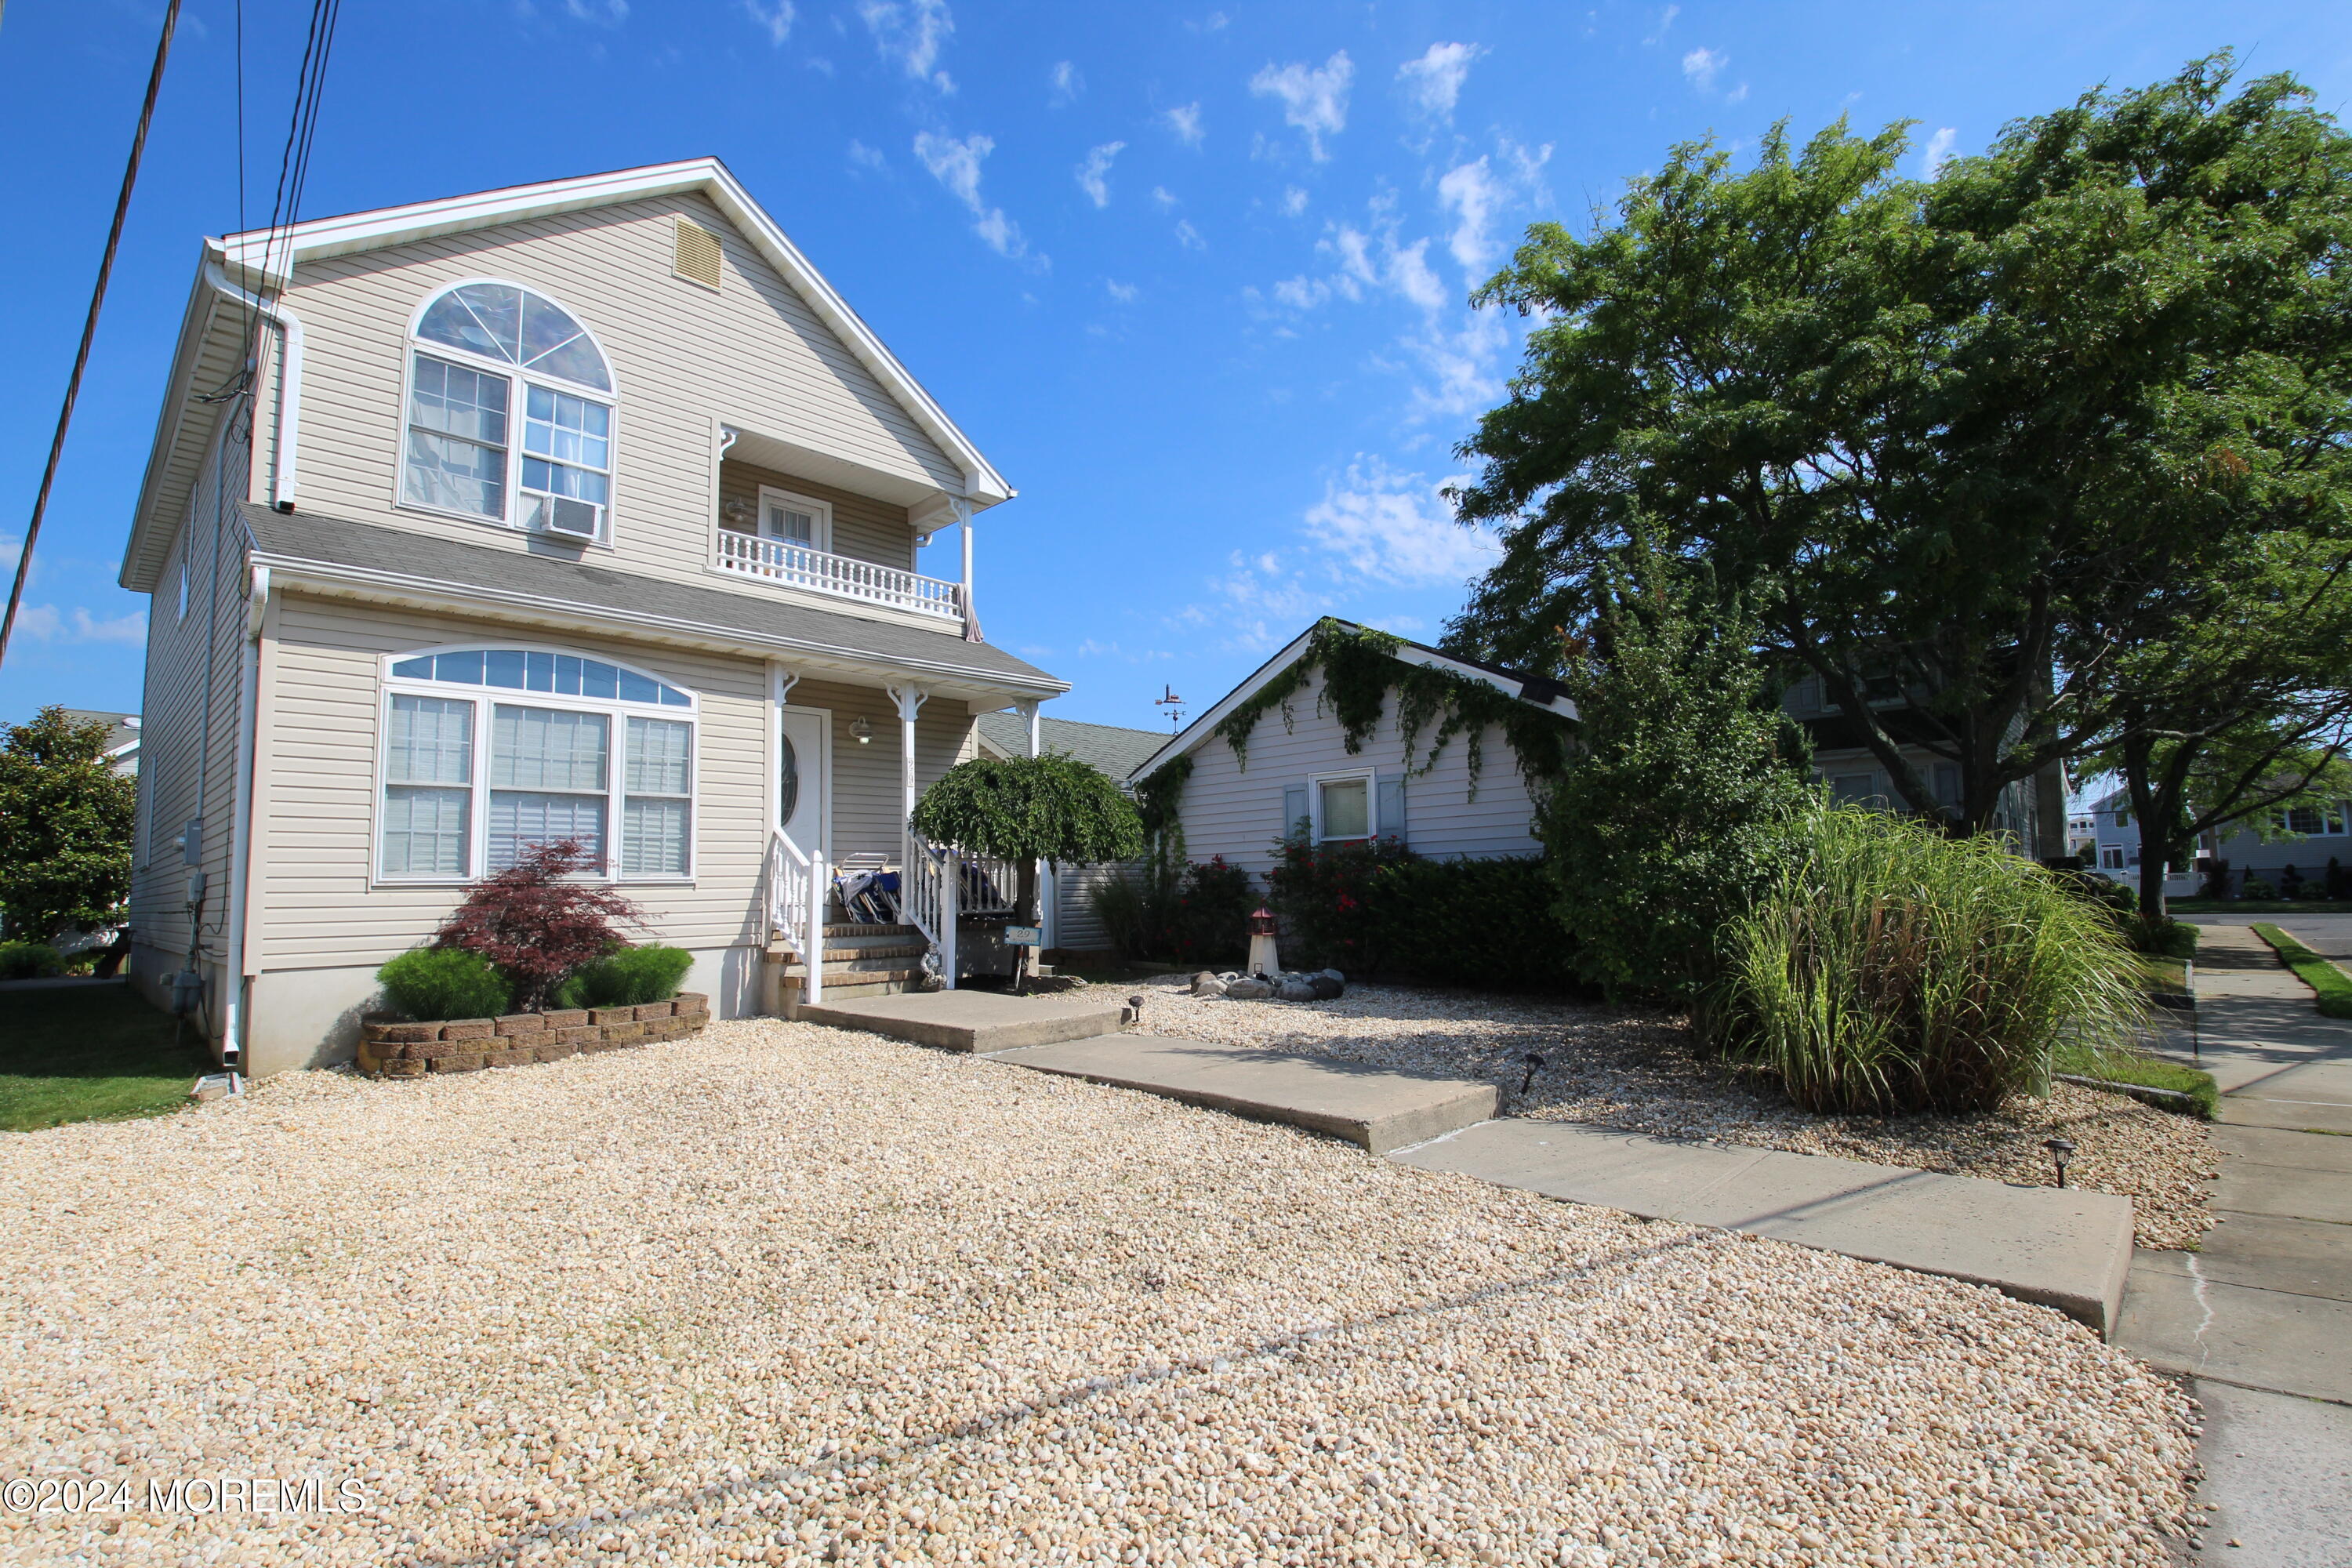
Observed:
{"x":1173,"y":703}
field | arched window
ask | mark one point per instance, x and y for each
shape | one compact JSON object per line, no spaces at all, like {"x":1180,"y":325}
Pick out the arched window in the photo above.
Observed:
{"x":489,"y":751}
{"x":487,"y":353}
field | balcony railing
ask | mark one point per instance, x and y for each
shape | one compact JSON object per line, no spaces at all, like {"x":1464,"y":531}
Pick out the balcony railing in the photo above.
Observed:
{"x":798,"y":566}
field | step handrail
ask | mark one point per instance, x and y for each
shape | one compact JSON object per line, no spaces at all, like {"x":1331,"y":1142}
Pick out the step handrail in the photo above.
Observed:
{"x":795,"y":905}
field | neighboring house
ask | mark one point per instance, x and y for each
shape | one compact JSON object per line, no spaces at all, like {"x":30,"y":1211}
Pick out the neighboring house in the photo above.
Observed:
{"x":586,"y":509}
{"x":1296,"y":769}
{"x":2306,"y":838}
{"x":2032,"y":812}
{"x":121,"y":737}
{"x":1071,"y":923}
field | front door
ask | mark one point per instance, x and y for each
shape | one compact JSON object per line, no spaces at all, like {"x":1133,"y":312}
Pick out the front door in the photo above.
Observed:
{"x":802,"y":765}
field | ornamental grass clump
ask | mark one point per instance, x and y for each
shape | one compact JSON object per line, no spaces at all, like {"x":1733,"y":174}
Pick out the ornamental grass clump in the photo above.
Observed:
{"x":1891,"y":970}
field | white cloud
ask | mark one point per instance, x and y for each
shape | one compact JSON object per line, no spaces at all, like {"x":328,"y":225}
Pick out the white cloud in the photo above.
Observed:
{"x":1702,"y":65}
{"x":1094,"y":175}
{"x":1067,"y":83}
{"x":1294,"y":202}
{"x":1476,"y":193}
{"x":1125,"y":293}
{"x":1187,"y":236}
{"x":1165,"y":197}
{"x":1302,"y":293}
{"x":1395,"y":527}
{"x":1464,"y":366}
{"x":43,"y":623}
{"x":1315,"y":102}
{"x":956,"y":165}
{"x":912,"y":33}
{"x":1184,"y":121}
{"x":1939,"y":151}
{"x":1375,"y":261}
{"x":1666,"y":20}
{"x":775,"y":19}
{"x":603,"y":13}
{"x":1433,"y":83}
{"x":1214,"y":22}
{"x":862,"y":156}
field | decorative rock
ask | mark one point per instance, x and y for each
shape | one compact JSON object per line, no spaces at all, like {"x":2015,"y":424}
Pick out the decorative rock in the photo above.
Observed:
{"x":1295,"y":990}
{"x":1248,"y":990}
{"x":1326,"y":987}
{"x":1207,"y":984}
{"x":1332,"y":975}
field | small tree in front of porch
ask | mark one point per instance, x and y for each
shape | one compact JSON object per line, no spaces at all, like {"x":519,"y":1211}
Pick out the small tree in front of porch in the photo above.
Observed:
{"x":1027,"y":809}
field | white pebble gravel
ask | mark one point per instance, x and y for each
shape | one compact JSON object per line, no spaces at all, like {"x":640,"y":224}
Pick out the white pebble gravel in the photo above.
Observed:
{"x":788,"y":1295}
{"x":1618,"y":1067}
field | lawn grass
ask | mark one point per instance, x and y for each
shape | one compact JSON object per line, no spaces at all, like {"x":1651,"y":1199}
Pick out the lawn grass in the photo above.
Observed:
{"x":2331,"y":987}
{"x":2166,"y":974}
{"x":89,"y":1053}
{"x":2256,"y":907}
{"x":2132,"y":1067}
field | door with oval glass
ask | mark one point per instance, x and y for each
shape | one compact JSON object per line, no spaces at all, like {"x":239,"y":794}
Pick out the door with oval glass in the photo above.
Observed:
{"x":802,"y":768}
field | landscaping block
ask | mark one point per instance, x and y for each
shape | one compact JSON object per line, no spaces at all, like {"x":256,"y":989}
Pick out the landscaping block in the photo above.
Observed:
{"x":521,"y":1023}
{"x":555,"y":1052}
{"x":696,"y":999}
{"x":390,"y":1033}
{"x":612,"y":1015}
{"x":579,"y":1034}
{"x":466,"y":1029}
{"x":433,"y":1050}
{"x":649,"y":1012}
{"x":510,"y":1057}
{"x":406,"y":1069}
{"x":565,"y":1017}
{"x":461,"y":1061}
{"x":624,"y":1034}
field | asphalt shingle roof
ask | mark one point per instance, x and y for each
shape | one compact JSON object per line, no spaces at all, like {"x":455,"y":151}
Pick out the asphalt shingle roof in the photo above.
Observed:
{"x":1116,"y":750}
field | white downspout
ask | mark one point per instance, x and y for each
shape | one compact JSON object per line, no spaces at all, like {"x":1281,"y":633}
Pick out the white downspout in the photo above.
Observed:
{"x":235,"y":1024}
{"x":284,"y":449}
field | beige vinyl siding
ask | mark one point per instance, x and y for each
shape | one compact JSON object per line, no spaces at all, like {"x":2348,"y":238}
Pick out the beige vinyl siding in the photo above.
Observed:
{"x":1078,"y":928}
{"x":1238,"y":814}
{"x":863,"y":528}
{"x":320,"y":904}
{"x":683,"y":358}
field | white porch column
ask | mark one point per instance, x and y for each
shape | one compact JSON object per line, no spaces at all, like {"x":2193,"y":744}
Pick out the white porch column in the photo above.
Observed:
{"x":910,"y":701}
{"x":971,"y":615}
{"x":1028,"y":710}
{"x":1028,"y":707}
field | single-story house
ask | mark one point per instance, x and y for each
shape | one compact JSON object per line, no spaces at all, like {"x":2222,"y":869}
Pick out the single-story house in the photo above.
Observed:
{"x":1071,"y":924}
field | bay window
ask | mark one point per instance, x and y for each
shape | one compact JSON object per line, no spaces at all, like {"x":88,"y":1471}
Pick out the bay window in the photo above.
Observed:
{"x":490,"y":752}
{"x":485,"y":353}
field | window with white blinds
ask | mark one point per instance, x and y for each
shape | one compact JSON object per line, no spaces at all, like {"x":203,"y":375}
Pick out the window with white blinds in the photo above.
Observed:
{"x":473,"y":780}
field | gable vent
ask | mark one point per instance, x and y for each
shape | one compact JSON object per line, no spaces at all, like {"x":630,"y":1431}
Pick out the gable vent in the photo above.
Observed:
{"x":697,"y":253}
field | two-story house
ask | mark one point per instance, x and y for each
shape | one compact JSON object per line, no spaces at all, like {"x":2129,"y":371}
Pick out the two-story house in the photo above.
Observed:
{"x":581,"y":510}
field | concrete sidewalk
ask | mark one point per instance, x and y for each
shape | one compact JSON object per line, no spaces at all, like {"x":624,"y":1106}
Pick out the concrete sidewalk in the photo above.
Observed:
{"x":2069,"y":1249}
{"x":2261,"y":1319}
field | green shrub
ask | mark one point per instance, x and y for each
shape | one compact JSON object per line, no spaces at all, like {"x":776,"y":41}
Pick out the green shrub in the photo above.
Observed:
{"x":1178,"y":910}
{"x":1377,"y":910}
{"x":444,"y":983}
{"x":29,"y":960}
{"x":2257,"y":889}
{"x":625,"y":978}
{"x":1891,"y":969}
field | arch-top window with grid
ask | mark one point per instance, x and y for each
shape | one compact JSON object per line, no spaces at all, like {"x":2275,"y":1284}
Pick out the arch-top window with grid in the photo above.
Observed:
{"x":491,"y":355}
{"x":488,"y":752}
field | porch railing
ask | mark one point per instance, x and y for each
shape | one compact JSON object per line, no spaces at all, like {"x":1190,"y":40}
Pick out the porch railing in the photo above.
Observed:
{"x":927,"y":899}
{"x":799,"y":566}
{"x":796,"y":888}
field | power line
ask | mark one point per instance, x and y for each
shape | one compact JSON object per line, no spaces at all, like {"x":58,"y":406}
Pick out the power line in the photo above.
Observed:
{"x":90,"y":326}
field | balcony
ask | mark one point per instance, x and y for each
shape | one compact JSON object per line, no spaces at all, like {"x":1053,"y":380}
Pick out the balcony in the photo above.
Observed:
{"x":821,"y":571}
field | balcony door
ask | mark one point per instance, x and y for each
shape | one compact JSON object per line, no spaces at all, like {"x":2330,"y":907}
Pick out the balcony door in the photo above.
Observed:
{"x":788,"y":519}
{"x":804,"y":770}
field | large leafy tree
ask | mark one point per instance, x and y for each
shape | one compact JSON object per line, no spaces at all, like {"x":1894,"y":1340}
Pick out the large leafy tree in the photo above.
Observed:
{"x":1923,"y":421}
{"x":65,"y":825}
{"x":1053,"y":808}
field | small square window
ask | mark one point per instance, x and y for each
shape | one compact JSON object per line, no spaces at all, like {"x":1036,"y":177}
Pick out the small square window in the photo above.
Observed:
{"x":1347,"y":807}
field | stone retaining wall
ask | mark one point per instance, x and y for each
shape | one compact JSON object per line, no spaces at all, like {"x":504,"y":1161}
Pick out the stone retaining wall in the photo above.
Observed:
{"x":401,"y":1049}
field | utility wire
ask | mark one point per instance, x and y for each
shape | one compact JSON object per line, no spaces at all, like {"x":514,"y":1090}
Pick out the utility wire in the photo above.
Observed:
{"x":90,"y":326}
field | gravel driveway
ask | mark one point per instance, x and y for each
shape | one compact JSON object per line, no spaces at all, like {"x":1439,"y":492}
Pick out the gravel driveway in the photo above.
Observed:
{"x":783,"y":1294}
{"x":1620,"y":1067}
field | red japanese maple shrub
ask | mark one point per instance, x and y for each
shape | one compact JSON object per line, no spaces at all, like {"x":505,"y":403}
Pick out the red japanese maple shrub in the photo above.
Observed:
{"x":535,"y":924}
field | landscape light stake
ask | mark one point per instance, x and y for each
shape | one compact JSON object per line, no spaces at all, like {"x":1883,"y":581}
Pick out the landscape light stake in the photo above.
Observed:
{"x":1535,"y":1065}
{"x":2061,"y":1151}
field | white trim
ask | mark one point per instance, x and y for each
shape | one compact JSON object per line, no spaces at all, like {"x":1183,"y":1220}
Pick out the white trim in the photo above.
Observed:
{"x":1315,"y":783}
{"x":285,"y":443}
{"x":426,"y":593}
{"x":343,"y":235}
{"x":481,"y":699}
{"x":823,"y":766}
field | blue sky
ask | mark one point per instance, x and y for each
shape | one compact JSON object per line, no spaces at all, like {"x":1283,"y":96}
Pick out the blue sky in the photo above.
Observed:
{"x":1194,"y":276}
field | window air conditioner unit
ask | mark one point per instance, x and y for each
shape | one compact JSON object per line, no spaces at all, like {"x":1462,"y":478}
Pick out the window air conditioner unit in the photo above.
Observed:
{"x":576,"y":518}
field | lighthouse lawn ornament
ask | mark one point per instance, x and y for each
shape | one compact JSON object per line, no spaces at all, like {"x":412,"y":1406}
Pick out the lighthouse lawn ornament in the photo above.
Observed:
{"x":1262,"y":961}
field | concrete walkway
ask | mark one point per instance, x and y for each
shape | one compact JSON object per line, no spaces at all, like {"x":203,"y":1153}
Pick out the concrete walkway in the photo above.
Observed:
{"x":2261,"y":1320}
